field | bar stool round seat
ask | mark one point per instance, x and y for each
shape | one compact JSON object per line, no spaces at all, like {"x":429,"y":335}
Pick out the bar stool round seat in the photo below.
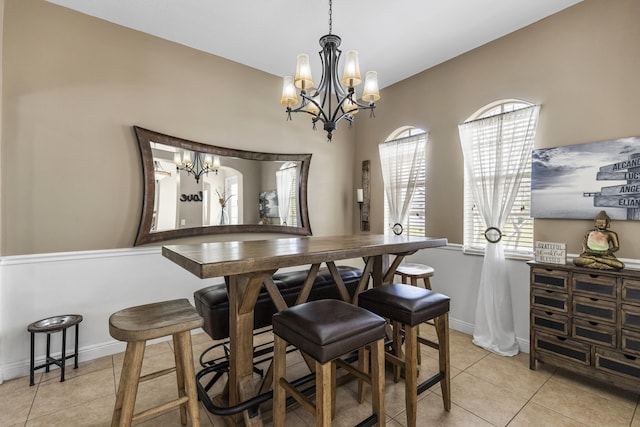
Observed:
{"x":413,"y":272}
{"x":410,"y":306}
{"x":137,"y":325}
{"x":49,"y":326}
{"x":326,"y":330}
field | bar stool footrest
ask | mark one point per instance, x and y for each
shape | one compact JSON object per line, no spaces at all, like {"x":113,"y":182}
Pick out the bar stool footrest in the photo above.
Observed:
{"x":368,"y":422}
{"x":430,"y":382}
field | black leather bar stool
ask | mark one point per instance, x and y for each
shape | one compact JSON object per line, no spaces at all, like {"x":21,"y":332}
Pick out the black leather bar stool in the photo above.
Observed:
{"x":411,"y":306}
{"x":137,"y":325}
{"x":412,"y":272}
{"x":326,"y":330}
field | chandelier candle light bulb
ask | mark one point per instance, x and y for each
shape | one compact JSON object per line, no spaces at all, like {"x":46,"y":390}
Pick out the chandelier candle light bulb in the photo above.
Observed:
{"x":289,"y":94}
{"x":371,"y":92}
{"x":303,"y":78}
{"x":351,"y":76}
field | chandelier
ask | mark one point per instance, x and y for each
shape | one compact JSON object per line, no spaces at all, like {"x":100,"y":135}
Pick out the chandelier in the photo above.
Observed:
{"x":201,"y":163}
{"x":334,"y":99}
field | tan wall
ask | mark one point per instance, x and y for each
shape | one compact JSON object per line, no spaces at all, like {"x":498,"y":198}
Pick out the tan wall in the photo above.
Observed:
{"x":73,"y":88}
{"x":581,"y":65}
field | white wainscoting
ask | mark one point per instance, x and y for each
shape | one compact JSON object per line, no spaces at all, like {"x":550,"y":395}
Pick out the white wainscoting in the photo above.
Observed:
{"x":98,"y":283}
{"x":93,"y":284}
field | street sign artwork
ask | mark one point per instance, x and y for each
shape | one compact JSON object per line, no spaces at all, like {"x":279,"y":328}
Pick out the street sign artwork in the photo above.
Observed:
{"x":577,"y":181}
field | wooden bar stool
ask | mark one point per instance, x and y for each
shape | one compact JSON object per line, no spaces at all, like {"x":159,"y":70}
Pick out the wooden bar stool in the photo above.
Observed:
{"x":411,"y":306}
{"x":326,"y":330}
{"x":137,"y":325}
{"x":413,"y":272}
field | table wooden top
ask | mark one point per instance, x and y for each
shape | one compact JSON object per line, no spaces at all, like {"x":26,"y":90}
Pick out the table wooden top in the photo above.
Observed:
{"x":217,"y":259}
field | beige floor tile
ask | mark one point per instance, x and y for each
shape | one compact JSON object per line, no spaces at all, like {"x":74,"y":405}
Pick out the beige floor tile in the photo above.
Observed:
{"x":494,"y":404}
{"x":201,"y":338}
{"x":349,"y":411}
{"x":586,"y":406}
{"x":149,"y":351}
{"x":511,"y":374}
{"x":636,"y":418}
{"x":54,"y":396}
{"x":83,"y":369}
{"x":539,"y":416}
{"x":486,"y":390}
{"x":16,"y":399}
{"x":594,"y":386}
{"x":153,"y":362}
{"x":463,"y":353}
{"x":94,"y":413}
{"x":430,"y":412}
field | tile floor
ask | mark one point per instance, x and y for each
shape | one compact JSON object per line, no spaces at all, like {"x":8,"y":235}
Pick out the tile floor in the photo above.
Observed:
{"x":487,"y":390}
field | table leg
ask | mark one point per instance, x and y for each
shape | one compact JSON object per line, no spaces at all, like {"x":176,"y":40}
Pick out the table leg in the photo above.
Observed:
{"x":379,"y":262}
{"x":243,"y":293}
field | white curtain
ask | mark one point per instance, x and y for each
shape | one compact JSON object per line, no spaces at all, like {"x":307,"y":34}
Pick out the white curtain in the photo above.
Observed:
{"x":285,"y":179}
{"x":400,"y":160}
{"x":496,"y":153}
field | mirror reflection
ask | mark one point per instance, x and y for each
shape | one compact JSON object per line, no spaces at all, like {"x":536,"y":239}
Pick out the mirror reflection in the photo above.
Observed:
{"x":193,"y":188}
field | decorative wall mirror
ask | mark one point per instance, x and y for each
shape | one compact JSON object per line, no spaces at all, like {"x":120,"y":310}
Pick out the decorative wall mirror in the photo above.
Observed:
{"x":193,"y":189}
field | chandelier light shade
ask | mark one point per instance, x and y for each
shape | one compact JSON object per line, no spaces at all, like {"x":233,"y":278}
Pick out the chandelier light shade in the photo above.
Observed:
{"x":201,"y":164}
{"x":333,"y":99}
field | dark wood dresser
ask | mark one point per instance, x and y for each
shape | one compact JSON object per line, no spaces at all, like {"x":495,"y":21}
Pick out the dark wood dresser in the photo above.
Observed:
{"x":587,"y":321}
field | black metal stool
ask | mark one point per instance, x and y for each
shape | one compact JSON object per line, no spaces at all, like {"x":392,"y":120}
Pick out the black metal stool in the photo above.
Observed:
{"x":410,"y":306}
{"x":326,"y":330}
{"x":49,"y":326}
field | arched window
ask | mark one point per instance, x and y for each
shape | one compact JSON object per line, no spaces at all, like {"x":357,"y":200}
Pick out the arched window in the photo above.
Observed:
{"x":517,"y":234}
{"x":402,"y":158}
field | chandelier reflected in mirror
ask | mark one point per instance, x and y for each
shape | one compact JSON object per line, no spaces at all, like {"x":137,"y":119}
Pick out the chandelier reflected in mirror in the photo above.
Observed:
{"x":200,"y":164}
{"x":333,"y":99}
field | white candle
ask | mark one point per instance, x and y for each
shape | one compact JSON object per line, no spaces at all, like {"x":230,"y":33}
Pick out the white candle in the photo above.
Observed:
{"x":360,"y":195}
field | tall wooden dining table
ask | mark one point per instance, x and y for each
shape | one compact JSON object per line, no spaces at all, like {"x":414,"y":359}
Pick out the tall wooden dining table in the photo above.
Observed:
{"x":247,"y":265}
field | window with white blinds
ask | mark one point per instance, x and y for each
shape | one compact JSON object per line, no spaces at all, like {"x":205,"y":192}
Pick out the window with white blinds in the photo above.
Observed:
{"x":517,"y":234}
{"x":291,"y":168}
{"x":416,"y":218}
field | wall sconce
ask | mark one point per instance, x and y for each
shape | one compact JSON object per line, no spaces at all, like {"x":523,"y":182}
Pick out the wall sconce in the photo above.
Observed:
{"x":363,"y":197}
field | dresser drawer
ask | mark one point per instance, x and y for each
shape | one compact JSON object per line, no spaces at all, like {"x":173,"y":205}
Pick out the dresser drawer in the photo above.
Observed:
{"x":594,"y":284}
{"x":595,"y":309}
{"x":593,"y":332}
{"x":550,"y":300}
{"x":617,"y":363}
{"x":631,"y":291}
{"x":630,"y":316}
{"x":630,"y":342}
{"x":550,"y":279}
{"x":564,"y":348}
{"x":549,"y":321}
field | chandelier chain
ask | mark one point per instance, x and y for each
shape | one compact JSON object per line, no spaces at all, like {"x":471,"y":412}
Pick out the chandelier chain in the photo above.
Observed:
{"x":330,"y":16}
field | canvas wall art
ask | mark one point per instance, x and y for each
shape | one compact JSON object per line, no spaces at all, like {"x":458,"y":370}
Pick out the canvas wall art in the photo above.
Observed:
{"x":578,"y":181}
{"x":268,"y":204}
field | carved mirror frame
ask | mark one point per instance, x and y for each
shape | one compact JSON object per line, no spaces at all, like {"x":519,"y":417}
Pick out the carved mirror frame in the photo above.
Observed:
{"x":145,"y":137}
